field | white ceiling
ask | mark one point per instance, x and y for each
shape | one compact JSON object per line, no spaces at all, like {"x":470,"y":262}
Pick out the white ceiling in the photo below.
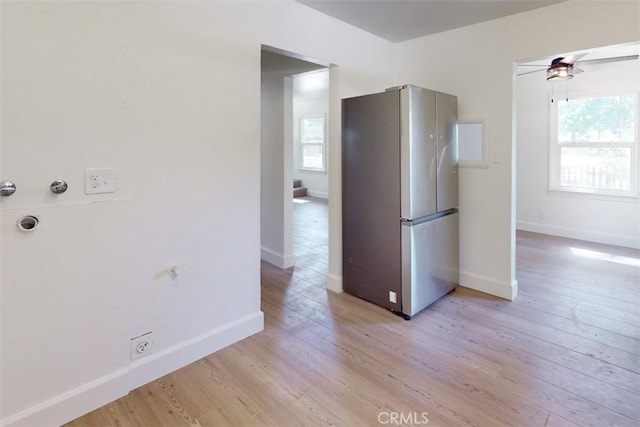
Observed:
{"x":399,"y":20}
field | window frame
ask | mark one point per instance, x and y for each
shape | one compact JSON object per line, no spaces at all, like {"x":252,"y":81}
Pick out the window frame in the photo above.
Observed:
{"x":555,"y":147}
{"x":301,"y":143}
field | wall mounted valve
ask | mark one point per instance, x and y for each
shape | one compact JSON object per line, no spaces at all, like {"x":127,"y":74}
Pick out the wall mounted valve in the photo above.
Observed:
{"x":58,"y":186}
{"x":7,"y":188}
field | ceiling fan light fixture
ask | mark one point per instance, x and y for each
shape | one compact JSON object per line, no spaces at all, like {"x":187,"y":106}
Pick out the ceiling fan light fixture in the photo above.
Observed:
{"x":560,"y":72}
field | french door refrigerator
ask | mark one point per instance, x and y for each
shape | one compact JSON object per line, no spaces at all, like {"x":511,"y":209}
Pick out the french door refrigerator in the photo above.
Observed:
{"x":400,"y":197}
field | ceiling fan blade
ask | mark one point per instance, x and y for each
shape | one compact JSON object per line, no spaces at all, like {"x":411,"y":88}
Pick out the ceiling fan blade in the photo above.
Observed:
{"x":577,"y":70}
{"x":530,"y":72}
{"x":606,"y":60}
{"x":570,"y":59}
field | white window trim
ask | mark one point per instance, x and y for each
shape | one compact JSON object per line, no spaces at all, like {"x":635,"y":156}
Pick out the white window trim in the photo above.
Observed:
{"x":301,"y":167}
{"x":554,"y":148}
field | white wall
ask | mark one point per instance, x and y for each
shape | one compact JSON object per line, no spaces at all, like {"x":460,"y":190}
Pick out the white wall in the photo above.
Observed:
{"x":275,"y":238}
{"x":310,"y":97}
{"x":169,"y":95}
{"x":614,"y":220}
{"x":476,"y":64}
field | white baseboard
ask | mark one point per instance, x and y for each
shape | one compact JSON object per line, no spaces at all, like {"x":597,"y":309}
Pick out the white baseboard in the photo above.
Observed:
{"x":74,"y":403}
{"x":468,"y":280}
{"x":81,"y":400}
{"x":580,"y":234}
{"x":318,"y":194}
{"x":489,"y":286}
{"x":279,"y":260}
{"x":334,"y":283}
{"x":155,"y":365}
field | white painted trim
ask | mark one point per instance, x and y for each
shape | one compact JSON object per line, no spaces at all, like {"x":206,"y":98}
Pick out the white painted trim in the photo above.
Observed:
{"x":74,"y":403}
{"x":279,"y":260}
{"x":318,"y":194}
{"x":81,"y":400}
{"x":489,"y":286}
{"x":580,"y":234}
{"x":295,"y":55}
{"x":155,"y":365}
{"x":334,"y":283}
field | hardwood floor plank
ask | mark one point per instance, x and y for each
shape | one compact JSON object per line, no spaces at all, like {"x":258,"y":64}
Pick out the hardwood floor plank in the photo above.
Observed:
{"x":603,"y":345}
{"x":541,"y":284}
{"x":429,"y":397}
{"x":580,"y":311}
{"x":557,"y":421}
{"x":534,"y":388}
{"x":439,"y":374}
{"x":531,"y":356}
{"x":583,"y":411}
{"x":594,"y":314}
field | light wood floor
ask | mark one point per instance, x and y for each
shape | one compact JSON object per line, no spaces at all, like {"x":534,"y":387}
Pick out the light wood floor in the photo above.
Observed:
{"x":566,"y":352}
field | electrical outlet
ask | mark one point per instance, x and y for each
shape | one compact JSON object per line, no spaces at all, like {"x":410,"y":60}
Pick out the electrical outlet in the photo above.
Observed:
{"x":141,"y":345}
{"x":392,"y":297}
{"x":97,"y":181}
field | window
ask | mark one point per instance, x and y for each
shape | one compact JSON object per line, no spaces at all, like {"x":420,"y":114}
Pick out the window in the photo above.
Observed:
{"x":594,"y":144}
{"x":312,"y":143}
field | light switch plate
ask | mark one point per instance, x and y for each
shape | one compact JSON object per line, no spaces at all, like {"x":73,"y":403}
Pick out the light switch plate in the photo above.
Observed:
{"x":97,"y":181}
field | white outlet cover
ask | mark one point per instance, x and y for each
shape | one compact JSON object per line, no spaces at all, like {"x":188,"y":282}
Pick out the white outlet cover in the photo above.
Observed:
{"x":392,"y":297}
{"x":99,"y":181}
{"x":142,"y":345}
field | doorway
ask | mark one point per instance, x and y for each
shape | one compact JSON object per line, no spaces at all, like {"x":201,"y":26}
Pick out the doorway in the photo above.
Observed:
{"x":282,"y":114}
{"x":573,"y":185}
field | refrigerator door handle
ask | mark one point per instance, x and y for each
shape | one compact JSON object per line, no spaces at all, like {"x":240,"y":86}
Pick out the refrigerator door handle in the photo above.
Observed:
{"x":427,"y":218}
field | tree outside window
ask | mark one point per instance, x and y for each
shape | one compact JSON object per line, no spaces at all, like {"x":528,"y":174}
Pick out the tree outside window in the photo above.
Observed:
{"x":594,"y":145}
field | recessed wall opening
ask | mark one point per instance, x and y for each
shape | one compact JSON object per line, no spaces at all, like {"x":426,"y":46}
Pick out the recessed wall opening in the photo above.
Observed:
{"x":294,"y":151}
{"x":577,"y":148}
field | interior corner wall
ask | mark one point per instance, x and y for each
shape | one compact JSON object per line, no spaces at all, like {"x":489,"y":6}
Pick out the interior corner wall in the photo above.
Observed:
{"x":611,"y":220}
{"x":275,"y":196}
{"x":167,"y":94}
{"x":476,"y":63}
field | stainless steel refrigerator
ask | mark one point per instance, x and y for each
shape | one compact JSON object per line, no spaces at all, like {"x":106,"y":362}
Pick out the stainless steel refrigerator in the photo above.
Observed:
{"x":400,"y":197}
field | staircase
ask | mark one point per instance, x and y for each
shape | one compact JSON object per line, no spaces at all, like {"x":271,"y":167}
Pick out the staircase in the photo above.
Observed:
{"x":298,"y":189}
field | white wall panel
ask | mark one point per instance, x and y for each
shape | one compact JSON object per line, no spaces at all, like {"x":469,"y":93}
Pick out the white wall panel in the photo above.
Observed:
{"x":168,"y":94}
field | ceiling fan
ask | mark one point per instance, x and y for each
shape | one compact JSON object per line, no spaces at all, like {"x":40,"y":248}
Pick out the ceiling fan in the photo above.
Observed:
{"x":564,"y":68}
